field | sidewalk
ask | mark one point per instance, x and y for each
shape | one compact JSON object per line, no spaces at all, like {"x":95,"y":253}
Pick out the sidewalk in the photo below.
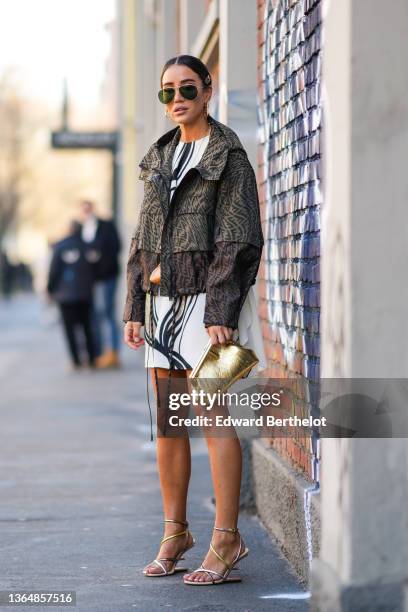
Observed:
{"x":81,"y":504}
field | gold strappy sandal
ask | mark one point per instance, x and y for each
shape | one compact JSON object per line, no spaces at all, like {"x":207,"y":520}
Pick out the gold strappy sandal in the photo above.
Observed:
{"x":173,"y":560}
{"x":225,"y":577}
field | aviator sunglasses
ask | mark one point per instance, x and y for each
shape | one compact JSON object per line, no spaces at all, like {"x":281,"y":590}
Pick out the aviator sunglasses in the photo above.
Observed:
{"x":166,"y":95}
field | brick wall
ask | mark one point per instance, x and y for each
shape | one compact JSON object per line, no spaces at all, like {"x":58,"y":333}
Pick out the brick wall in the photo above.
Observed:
{"x":289,"y":43}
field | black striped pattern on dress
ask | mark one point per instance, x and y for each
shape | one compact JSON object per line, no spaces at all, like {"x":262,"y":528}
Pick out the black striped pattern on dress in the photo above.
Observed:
{"x":185,"y":159}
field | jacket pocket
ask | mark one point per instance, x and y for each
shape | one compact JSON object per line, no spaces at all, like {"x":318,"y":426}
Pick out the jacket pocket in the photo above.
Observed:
{"x":153,"y":188}
{"x":198,"y":196}
{"x":150,"y":230}
{"x":193,"y":232}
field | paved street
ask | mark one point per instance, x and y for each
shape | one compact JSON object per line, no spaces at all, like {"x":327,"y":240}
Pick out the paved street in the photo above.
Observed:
{"x":80,"y":498}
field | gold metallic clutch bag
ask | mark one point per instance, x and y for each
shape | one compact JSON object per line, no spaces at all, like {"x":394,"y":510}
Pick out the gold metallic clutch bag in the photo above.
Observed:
{"x":220,"y":366}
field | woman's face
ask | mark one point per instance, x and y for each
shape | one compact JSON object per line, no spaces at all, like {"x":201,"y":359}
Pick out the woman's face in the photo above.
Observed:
{"x":181,"y":110}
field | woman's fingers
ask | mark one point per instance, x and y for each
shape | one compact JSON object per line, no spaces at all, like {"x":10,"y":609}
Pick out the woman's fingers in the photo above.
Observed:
{"x":131,"y":335}
{"x":220,"y":334}
{"x":136,"y":334}
{"x":230,"y":332}
{"x":212,"y":334}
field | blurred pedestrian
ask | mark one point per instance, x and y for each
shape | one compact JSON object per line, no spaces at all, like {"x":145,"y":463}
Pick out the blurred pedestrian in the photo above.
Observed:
{"x":6,"y":275}
{"x":102,"y":235}
{"x":70,"y":285}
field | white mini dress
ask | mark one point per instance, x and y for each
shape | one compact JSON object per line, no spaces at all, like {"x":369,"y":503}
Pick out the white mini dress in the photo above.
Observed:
{"x":180,"y":340}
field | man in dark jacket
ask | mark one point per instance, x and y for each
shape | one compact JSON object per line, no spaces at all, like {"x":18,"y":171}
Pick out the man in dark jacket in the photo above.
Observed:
{"x":70,"y":283}
{"x":102,"y":236}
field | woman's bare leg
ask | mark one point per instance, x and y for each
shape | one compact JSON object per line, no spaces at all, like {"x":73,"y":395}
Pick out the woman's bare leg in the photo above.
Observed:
{"x":174,"y":465}
{"x":226,"y":467}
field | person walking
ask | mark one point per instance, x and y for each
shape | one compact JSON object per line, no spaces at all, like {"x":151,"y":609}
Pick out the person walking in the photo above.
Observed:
{"x":102,"y":236}
{"x":192,"y":264}
{"x":70,"y":284}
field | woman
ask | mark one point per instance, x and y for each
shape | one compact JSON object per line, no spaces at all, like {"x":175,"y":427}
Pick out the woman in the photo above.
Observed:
{"x":200,"y":221}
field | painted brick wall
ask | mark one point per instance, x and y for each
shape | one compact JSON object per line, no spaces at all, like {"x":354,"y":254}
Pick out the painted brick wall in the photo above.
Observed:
{"x":289,"y":68}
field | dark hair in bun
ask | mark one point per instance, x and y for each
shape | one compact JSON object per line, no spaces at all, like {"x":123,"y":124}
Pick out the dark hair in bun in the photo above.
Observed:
{"x":192,"y":62}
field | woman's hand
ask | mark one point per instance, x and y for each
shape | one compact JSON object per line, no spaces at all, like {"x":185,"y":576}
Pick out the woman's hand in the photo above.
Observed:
{"x":219,"y":334}
{"x":131,"y":335}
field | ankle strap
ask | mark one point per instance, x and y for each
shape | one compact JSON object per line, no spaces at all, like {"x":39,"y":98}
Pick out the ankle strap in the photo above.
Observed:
{"x":185,"y":523}
{"x":230,"y":529}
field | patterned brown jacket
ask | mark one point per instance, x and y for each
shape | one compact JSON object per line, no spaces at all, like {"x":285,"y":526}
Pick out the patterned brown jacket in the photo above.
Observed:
{"x":208,"y":239}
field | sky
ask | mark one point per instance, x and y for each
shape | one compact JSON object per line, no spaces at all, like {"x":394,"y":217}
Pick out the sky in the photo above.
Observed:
{"x":52,"y":39}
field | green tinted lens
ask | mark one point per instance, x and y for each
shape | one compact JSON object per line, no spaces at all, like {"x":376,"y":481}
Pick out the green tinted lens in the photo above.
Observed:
{"x":166,"y":95}
{"x":189,"y":92}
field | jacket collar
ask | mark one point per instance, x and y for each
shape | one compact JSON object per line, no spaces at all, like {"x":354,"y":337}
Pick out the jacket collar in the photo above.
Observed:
{"x":222,"y":140}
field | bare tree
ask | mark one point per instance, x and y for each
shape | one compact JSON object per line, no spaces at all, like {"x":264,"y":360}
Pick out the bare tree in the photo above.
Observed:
{"x":11,"y":150}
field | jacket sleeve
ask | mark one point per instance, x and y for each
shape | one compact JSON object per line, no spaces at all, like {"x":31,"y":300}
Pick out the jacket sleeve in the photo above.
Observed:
{"x":114,"y":238}
{"x":54,"y":272}
{"x":135,"y":299}
{"x":238,"y":242}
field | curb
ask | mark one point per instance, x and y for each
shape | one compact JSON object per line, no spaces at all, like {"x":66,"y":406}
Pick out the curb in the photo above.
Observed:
{"x":289,"y":507}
